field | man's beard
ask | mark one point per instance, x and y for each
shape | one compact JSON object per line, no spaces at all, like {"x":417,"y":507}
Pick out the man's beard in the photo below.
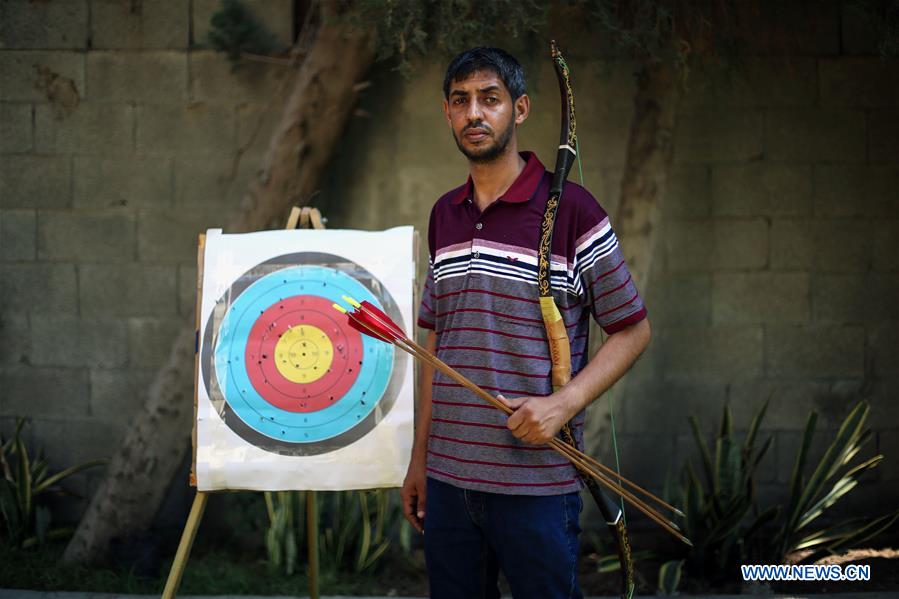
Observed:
{"x":489,"y":153}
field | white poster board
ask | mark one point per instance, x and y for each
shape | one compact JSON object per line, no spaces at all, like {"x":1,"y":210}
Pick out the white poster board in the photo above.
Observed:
{"x":289,"y":396}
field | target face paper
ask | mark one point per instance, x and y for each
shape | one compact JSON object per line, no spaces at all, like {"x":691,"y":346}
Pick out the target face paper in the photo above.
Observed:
{"x":289,"y":395}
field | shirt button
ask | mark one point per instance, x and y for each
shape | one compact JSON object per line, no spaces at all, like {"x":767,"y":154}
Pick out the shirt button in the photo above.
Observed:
{"x":477,"y":254}
{"x":479,"y":226}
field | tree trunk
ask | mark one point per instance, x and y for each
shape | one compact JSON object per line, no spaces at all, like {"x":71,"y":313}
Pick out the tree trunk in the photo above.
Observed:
{"x":650,"y":150}
{"x":313,"y":120}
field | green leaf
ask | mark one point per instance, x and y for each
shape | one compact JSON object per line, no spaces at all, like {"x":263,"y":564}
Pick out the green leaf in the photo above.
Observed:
{"x":62,"y":475}
{"x":703,"y":451}
{"x":756,"y":424}
{"x":670,"y":577}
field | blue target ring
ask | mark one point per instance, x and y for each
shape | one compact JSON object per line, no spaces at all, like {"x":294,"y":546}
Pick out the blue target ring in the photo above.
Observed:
{"x":249,"y":404}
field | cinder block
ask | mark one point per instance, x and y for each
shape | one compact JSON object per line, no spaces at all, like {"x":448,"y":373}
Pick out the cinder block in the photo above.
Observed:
{"x":789,"y":402}
{"x":883,"y":349}
{"x":29,"y":76}
{"x":719,"y":136}
{"x":71,"y":341}
{"x":208,"y":182}
{"x":842,"y":245}
{"x":127,"y":290}
{"x":164,"y":236}
{"x":660,"y":407}
{"x":213,"y":79}
{"x":888,"y":444}
{"x":886,"y":246}
{"x":859,"y":81}
{"x":756,"y":82}
{"x":859,"y":35}
{"x":792,"y":244}
{"x":70,"y":441}
{"x":17,"y":235}
{"x":89,"y":129}
{"x":187,"y":289}
{"x":275,"y":15}
{"x":647,"y":457}
{"x":763,"y":297}
{"x":680,"y":298}
{"x":150,"y":340}
{"x":814,"y":351}
{"x":883,"y":135}
{"x":717,"y":245}
{"x":808,"y":135}
{"x":843,"y":190}
{"x":134,"y":181}
{"x":688,"y":193}
{"x":193,"y":129}
{"x":761,"y":190}
{"x":855,"y":298}
{"x":725,"y":353}
{"x":787,"y":28}
{"x":144,"y":24}
{"x":33,"y":391}
{"x":49,"y":288}
{"x":57,"y":24}
{"x":104,"y":236}
{"x":137,"y":77}
{"x":117,"y":394}
{"x":35,"y":182}
{"x":16,"y":128}
{"x":15,"y":339}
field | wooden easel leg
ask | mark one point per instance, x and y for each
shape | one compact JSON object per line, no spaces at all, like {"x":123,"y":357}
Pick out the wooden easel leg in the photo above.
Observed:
{"x":312,"y":540}
{"x":184,"y":546}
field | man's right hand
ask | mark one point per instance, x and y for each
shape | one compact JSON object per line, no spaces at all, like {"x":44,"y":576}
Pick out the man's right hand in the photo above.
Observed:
{"x":414,"y":494}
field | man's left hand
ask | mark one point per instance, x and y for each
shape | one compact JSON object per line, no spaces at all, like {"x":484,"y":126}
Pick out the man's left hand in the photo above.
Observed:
{"x":536,"y":420}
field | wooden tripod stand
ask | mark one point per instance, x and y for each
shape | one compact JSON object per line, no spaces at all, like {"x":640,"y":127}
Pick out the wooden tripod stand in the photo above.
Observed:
{"x":304,"y":218}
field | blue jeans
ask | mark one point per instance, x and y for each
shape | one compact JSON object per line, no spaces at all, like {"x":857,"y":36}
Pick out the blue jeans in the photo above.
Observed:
{"x":471,"y":535}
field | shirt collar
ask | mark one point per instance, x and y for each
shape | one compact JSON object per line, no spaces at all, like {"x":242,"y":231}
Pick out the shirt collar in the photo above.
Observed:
{"x":521,"y":189}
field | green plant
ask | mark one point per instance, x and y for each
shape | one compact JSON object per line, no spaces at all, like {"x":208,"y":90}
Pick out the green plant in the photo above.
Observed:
{"x":355,"y":529}
{"x":26,"y":482}
{"x":725,"y":522}
{"x":722,"y":516}
{"x":833,"y":478}
{"x":235,"y":30}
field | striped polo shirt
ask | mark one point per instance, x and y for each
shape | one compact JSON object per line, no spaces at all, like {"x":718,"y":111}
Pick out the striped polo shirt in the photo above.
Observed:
{"x":481,"y":298}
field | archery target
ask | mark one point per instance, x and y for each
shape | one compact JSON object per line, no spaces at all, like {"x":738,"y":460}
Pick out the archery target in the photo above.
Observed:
{"x":284,"y":370}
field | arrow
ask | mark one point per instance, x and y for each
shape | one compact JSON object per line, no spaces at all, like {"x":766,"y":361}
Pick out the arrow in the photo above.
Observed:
{"x":369,"y":320}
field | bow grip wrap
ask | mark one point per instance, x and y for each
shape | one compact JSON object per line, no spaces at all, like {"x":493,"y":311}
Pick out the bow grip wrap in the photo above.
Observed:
{"x":559,"y":346}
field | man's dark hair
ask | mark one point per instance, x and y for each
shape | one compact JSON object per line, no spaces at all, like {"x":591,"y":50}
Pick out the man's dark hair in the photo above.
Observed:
{"x":499,"y":61}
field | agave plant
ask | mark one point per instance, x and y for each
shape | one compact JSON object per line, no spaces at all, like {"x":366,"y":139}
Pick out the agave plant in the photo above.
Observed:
{"x":355,"y":529}
{"x":26,"y":481}
{"x":726,"y":524}
{"x":722,"y":515}
{"x":834,"y":476}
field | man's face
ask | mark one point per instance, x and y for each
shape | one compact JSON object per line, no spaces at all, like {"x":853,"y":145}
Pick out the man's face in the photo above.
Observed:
{"x":482,"y":115}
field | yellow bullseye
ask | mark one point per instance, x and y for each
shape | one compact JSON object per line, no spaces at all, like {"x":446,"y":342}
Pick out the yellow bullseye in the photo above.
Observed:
{"x":303,"y":354}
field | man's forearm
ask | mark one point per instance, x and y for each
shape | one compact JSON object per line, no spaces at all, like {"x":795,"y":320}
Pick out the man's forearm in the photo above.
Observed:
{"x":423,"y":406}
{"x":611,"y":362}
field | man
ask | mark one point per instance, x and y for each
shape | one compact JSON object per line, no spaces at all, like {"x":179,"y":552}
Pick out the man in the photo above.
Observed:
{"x":485,"y":489}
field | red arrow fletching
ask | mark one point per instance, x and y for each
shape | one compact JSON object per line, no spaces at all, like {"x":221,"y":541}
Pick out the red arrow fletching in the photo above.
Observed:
{"x":384,"y":323}
{"x":353,"y":318}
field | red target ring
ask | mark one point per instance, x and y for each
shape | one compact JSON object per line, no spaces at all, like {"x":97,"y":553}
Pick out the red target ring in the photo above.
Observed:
{"x":271,"y":362}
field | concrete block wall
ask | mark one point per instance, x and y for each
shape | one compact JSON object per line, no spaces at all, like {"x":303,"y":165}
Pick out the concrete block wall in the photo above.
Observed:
{"x":119,"y":129}
{"x":777,"y":267}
